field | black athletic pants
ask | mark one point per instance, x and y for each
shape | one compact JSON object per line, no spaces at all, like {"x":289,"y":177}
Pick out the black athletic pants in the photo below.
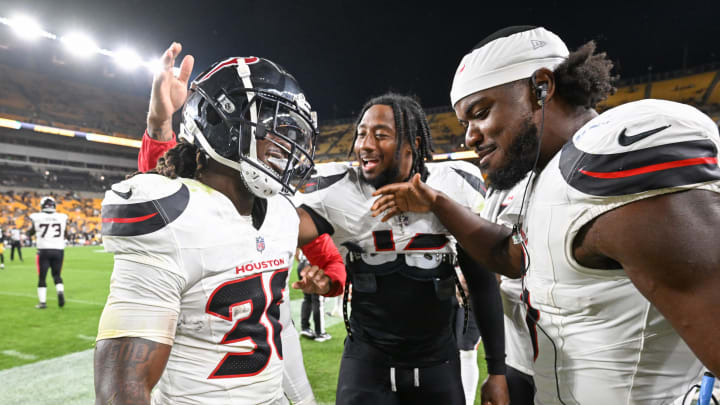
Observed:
{"x":311,"y":305}
{"x":49,"y":258}
{"x":521,"y":387}
{"x":15,"y":245}
{"x":365,"y":381}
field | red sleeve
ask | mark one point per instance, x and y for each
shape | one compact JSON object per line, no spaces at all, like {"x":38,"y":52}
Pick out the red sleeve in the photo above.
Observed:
{"x":151,"y":150}
{"x":322,"y":252}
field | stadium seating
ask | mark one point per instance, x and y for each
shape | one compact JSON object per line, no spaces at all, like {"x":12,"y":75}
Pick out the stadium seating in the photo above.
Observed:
{"x":36,"y":98}
{"x":20,"y":175}
{"x":699,"y":89}
{"x":684,"y":89}
{"x":83,"y":213}
{"x":33,"y":97}
{"x":714,"y":96}
{"x":625,"y":94}
{"x":447,"y":134}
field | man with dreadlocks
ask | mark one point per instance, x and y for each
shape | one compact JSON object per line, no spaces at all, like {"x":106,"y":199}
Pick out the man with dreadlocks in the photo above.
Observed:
{"x":401,"y":346}
{"x":617,"y":242}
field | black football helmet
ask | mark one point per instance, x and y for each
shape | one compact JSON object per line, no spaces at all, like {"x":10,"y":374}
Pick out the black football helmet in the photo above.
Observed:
{"x":47,"y":204}
{"x":240,"y":100}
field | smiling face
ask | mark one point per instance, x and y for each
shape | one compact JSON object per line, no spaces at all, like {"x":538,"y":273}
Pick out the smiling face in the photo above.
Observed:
{"x":376,"y":148}
{"x":284,"y":140}
{"x":273,"y":154}
{"x":498,"y":125}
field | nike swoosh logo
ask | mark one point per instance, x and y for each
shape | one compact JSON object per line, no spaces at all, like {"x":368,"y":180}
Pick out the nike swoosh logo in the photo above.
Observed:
{"x":626,"y":140}
{"x":126,"y":195}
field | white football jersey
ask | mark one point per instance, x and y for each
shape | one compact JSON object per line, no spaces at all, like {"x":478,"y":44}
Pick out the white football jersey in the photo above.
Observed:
{"x":611,"y":345}
{"x":49,"y":229}
{"x":503,"y":207}
{"x":341,"y":198}
{"x":182,"y":246}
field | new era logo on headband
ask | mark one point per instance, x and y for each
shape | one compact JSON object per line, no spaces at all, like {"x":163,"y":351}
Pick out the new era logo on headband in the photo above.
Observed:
{"x":508,"y":55}
{"x":537,"y":44}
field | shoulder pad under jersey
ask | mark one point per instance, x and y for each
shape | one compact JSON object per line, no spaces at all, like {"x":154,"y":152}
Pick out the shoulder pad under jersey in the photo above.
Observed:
{"x":642,"y":146}
{"x":469,"y":172}
{"x":327,"y":175}
{"x":143,"y":204}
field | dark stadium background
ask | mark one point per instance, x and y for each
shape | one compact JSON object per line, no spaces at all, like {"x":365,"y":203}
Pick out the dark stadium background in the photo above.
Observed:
{"x":342,"y":52}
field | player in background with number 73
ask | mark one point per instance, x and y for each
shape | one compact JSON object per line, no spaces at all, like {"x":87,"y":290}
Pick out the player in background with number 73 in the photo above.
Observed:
{"x":49,"y":228}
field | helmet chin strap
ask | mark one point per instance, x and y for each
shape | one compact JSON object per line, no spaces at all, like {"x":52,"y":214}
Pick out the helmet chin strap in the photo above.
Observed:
{"x":257,"y":181}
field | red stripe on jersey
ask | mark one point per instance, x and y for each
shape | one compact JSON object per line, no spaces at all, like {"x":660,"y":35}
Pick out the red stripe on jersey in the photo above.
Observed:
{"x":651,"y":168}
{"x":128,"y":220}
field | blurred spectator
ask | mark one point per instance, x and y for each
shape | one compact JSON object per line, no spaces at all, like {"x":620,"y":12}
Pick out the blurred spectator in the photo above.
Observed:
{"x":312,"y":304}
{"x":15,"y":243}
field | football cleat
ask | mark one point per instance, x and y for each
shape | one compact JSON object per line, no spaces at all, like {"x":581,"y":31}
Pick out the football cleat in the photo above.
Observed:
{"x":61,"y":299}
{"x":41,"y":305}
{"x":308,"y":333}
{"x":323,"y":337}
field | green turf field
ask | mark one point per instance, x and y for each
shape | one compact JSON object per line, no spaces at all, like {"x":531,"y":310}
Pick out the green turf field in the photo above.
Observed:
{"x":43,"y":334}
{"x":29,"y":335}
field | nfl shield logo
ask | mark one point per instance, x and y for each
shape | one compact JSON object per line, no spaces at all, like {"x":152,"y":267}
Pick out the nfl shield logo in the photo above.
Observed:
{"x":403,"y":220}
{"x":260,"y":243}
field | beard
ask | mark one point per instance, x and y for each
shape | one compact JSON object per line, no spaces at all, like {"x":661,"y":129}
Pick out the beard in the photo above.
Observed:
{"x":387,"y":176}
{"x":520,"y":158}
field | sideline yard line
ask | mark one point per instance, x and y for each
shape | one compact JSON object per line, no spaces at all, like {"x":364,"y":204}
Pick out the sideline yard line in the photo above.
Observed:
{"x":68,"y":379}
{"x":20,"y":355}
{"x":296,"y":307}
{"x":15,"y":294}
{"x":86,"y":337}
{"x":65,"y":380}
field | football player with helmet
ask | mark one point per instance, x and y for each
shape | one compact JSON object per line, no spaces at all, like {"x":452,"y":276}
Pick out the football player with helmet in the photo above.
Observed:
{"x":48,"y":226}
{"x":618,"y":235}
{"x":202,"y":253}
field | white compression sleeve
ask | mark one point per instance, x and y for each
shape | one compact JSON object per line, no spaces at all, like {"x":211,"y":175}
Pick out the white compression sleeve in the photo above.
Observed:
{"x":295,"y":382}
{"x":469,"y":373}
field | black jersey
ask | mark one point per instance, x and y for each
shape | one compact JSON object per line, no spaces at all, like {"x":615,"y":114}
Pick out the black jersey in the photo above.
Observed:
{"x":402,"y":274}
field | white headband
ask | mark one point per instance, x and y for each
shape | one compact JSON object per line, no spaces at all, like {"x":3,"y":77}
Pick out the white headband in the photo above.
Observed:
{"x":507,"y":59}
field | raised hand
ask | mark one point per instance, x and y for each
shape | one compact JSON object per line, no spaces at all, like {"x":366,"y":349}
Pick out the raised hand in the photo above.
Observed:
{"x":396,"y":198}
{"x":313,"y":281}
{"x":168,"y":93}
